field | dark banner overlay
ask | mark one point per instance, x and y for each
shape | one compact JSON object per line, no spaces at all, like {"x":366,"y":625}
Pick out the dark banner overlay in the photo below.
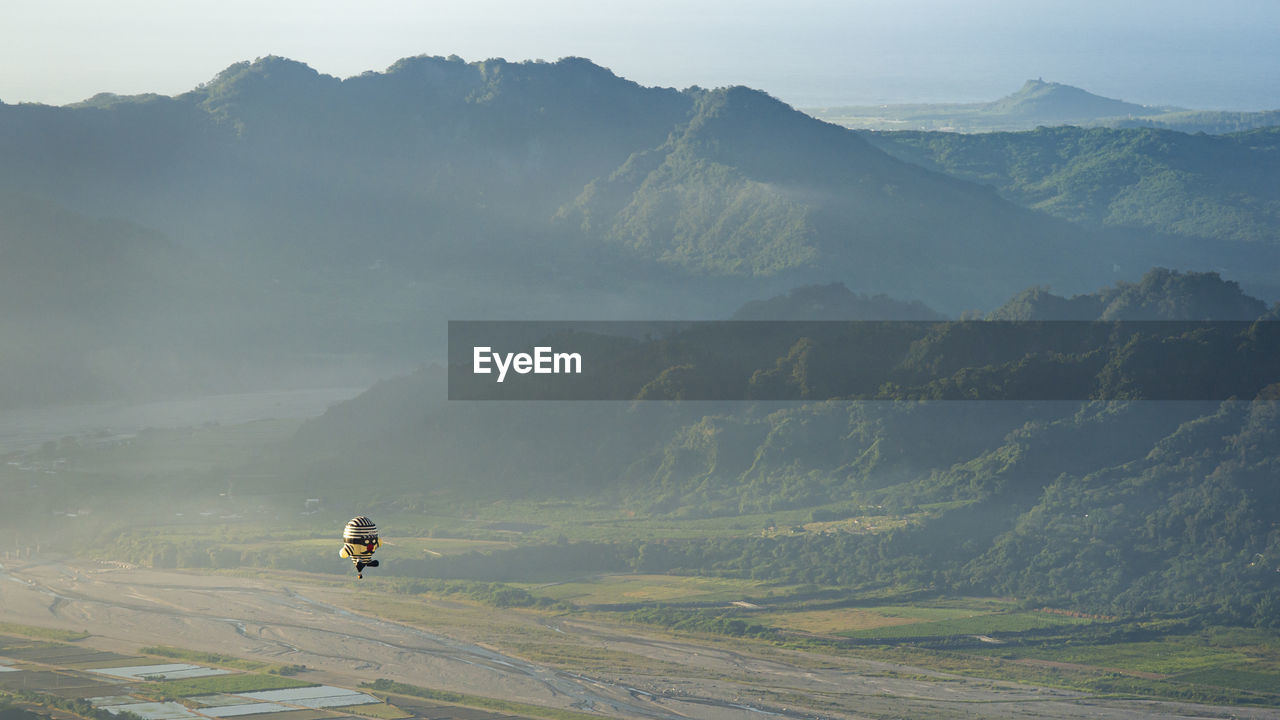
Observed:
{"x":961,"y":360}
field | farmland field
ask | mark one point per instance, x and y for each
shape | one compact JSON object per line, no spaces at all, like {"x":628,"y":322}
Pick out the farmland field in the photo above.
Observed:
{"x":923,"y":622}
{"x":1166,"y":657}
{"x":239,"y":683}
{"x":640,"y":588}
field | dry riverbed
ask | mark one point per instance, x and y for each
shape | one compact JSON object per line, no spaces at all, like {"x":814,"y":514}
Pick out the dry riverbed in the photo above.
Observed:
{"x":347,"y":633}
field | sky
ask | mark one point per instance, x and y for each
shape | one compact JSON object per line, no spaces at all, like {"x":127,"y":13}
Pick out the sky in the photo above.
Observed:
{"x":1223,"y":54}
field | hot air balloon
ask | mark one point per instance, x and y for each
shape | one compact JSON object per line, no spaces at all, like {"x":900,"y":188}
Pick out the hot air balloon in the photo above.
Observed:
{"x":359,"y":542}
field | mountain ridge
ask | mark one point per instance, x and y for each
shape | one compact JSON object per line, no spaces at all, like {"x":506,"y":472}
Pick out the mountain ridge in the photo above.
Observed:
{"x":352,"y":215}
{"x":727,"y":193}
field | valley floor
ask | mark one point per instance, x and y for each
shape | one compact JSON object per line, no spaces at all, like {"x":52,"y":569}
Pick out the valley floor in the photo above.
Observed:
{"x":347,"y":633}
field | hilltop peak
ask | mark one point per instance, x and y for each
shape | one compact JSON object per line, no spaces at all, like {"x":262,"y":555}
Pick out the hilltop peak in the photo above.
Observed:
{"x":264,"y":77}
{"x":1053,"y":103}
{"x":1039,"y":83}
{"x":274,"y":66}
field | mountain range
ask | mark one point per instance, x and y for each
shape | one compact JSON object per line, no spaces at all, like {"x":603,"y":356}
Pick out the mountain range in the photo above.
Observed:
{"x":276,"y":218}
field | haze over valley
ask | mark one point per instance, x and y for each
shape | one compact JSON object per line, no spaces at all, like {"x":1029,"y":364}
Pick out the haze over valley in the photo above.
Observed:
{"x":224,"y":334}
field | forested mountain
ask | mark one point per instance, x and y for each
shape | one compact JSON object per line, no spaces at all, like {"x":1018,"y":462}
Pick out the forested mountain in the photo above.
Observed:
{"x":1223,"y":187}
{"x":1187,"y":188}
{"x":297,"y":217}
{"x":751,"y":187}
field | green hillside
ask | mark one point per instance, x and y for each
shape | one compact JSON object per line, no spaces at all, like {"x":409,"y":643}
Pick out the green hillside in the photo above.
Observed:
{"x":1184,"y":185}
{"x":750,"y":187}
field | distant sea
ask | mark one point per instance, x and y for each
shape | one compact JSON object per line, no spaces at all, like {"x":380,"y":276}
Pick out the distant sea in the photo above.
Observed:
{"x":1182,"y":73}
{"x":1227,"y":88}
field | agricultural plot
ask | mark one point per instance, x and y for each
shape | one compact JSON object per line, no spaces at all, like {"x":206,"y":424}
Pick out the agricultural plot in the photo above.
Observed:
{"x":835,"y":621}
{"x":323,"y":696}
{"x":233,"y":684}
{"x":302,"y":715}
{"x":976,"y":618}
{"x":274,"y":704}
{"x":381,"y":711}
{"x":109,"y":700}
{"x":968,"y":623}
{"x":629,"y":589}
{"x":167,"y":671}
{"x":429,"y":710}
{"x":1181,"y":657}
{"x":154,"y":711}
{"x":101,"y":660}
{"x":218,"y":700}
{"x":53,"y":683}
{"x":53,"y":653}
{"x":212,"y":706}
{"x":1253,"y":678}
{"x":237,"y":710}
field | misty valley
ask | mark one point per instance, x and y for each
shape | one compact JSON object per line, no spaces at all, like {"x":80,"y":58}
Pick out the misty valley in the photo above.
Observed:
{"x":224,"y":336}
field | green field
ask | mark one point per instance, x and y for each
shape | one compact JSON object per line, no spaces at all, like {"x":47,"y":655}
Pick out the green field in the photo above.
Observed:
{"x":1169,"y":656}
{"x":232,"y":684}
{"x":1240,"y":677}
{"x":381,"y":711}
{"x":627,"y":589}
{"x":946,"y":622}
{"x":931,"y":618}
